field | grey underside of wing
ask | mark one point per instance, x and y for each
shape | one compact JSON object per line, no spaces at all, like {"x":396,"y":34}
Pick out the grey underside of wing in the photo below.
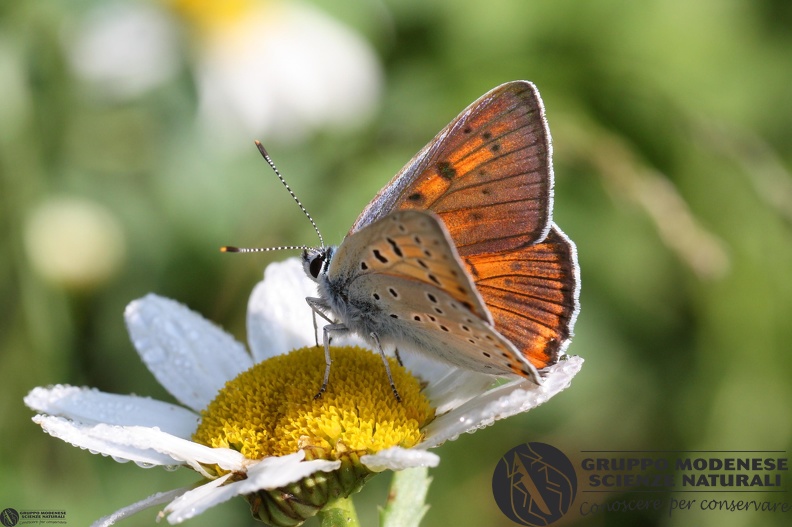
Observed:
{"x":444,"y":330}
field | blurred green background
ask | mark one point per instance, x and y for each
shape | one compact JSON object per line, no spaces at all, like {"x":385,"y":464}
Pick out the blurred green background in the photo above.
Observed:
{"x":126,"y":160}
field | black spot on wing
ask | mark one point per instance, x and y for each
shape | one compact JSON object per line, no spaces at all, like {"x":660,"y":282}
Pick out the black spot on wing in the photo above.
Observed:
{"x":446,"y":170}
{"x":395,"y":246}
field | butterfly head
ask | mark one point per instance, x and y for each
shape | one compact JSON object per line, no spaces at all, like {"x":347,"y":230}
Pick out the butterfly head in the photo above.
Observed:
{"x":316,"y":261}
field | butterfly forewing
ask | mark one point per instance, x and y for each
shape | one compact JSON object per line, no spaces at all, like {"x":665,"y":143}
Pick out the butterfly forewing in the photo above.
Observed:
{"x":487,"y":174}
{"x":532,"y":295}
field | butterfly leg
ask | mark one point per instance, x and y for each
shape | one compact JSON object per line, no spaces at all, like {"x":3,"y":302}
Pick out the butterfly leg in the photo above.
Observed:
{"x":376,"y":340}
{"x":327,"y":330}
{"x":316,"y":329}
{"x":398,"y":357}
{"x":316,"y":306}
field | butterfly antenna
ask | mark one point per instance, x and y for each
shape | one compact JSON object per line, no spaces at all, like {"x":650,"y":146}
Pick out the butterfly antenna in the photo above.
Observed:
{"x":232,"y":249}
{"x":269,"y":161}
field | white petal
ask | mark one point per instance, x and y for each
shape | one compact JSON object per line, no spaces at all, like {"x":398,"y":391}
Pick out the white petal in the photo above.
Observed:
{"x":504,"y":401}
{"x":90,"y":406}
{"x":191,"y":357}
{"x":456,"y":388}
{"x":147,"y":446}
{"x":397,"y":458}
{"x":279,"y":320}
{"x":130,"y":510}
{"x":274,"y":472}
{"x":269,"y":473}
{"x":196,"y":501}
{"x":97,"y":441}
{"x":447,"y":386}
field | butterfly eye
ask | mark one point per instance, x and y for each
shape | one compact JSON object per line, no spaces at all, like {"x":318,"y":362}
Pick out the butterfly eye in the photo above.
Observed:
{"x":315,"y":267}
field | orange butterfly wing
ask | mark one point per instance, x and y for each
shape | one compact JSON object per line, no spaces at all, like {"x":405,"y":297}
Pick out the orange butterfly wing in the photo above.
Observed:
{"x":487,"y":174}
{"x":489,"y":177}
{"x":532,"y":294}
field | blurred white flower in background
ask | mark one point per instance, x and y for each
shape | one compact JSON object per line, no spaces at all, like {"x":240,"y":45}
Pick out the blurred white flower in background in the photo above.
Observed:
{"x":268,"y":69}
{"x":124,"y":49}
{"x":280,"y":70}
{"x":73,"y":242}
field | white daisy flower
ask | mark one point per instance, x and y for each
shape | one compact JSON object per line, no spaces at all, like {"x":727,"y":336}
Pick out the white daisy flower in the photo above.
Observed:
{"x":278,"y":70}
{"x":249,"y":424}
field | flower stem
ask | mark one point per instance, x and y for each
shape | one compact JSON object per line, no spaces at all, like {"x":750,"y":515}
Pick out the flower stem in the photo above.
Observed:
{"x":340,"y":513}
{"x":407,"y":499}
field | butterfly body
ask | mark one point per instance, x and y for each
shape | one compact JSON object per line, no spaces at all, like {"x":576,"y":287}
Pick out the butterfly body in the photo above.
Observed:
{"x":457,"y":257}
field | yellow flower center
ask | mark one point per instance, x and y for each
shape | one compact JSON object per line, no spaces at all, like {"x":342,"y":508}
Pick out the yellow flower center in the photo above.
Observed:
{"x":270,"y":409}
{"x":211,"y":13}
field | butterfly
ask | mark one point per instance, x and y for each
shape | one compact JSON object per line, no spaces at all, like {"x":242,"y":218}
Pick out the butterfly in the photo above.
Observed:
{"x":457,"y":257}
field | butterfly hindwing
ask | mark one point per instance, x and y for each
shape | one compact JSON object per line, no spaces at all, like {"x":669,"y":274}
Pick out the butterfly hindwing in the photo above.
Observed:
{"x":532,"y":294}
